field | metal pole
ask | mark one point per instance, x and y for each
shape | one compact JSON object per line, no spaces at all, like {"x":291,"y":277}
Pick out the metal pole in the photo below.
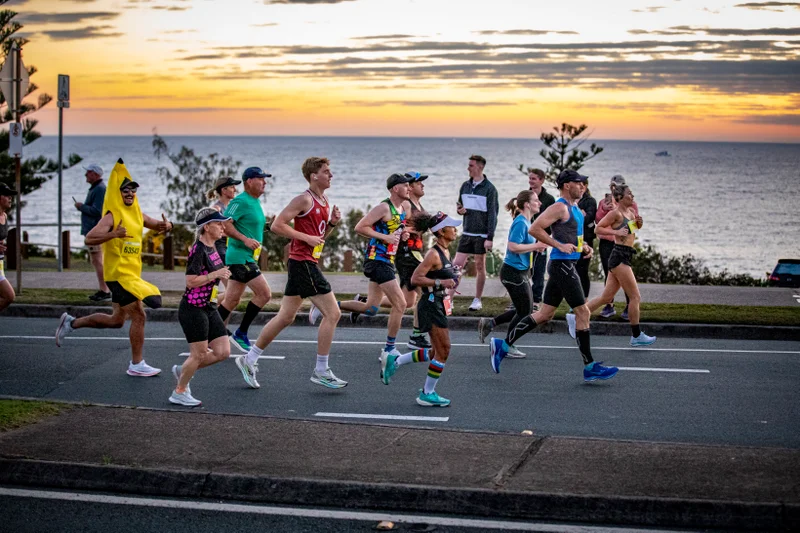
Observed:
{"x":16,"y":101}
{"x":60,"y":151}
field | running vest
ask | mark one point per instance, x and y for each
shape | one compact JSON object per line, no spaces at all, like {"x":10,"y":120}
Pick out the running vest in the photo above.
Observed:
{"x":122,"y":258}
{"x":569,"y":232}
{"x":446,"y":272}
{"x":412,"y":248}
{"x":312,"y":222}
{"x":376,"y":249}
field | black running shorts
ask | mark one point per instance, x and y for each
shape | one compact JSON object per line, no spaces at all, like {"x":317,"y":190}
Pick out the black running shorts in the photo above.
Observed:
{"x":620,"y":255}
{"x":430,"y":313}
{"x":405,"y":269}
{"x":563,"y":284}
{"x":123,"y":298}
{"x":200,"y":323}
{"x":305,"y":279}
{"x":379,"y":271}
{"x":470,"y":244}
{"x":244,"y":273}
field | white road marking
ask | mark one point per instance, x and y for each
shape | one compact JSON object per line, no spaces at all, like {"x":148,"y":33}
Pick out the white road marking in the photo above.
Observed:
{"x":320,"y":513}
{"x":462,"y":345}
{"x":684,"y":370}
{"x":233,"y":356}
{"x":385,"y":417}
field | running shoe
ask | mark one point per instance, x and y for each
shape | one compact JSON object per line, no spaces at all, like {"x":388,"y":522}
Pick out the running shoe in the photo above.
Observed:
{"x":313,"y":314}
{"x":64,"y":328}
{"x":608,"y":311}
{"x":476,"y":305}
{"x":142,"y":369}
{"x":432,"y":400}
{"x":484,"y":328}
{"x":624,"y":314}
{"x":498,"y":353}
{"x":642,"y":340}
{"x":598,"y":371}
{"x":176,"y":372}
{"x":513,"y":353}
{"x":240,"y":340}
{"x":418,"y":342}
{"x":248,"y":371}
{"x":327,"y":379}
{"x":571,"y":324}
{"x":388,"y":367}
{"x":393,"y":351}
{"x":184,"y":398}
{"x":100,"y":296}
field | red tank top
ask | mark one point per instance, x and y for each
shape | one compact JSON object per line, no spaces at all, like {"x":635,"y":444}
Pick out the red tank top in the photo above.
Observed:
{"x":312,"y":222}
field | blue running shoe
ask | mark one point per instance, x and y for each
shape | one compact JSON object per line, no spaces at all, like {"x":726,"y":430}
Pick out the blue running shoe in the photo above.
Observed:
{"x":388,"y":366}
{"x":241,"y":341}
{"x":432,"y":400}
{"x":598,"y":371}
{"x":498,"y":353}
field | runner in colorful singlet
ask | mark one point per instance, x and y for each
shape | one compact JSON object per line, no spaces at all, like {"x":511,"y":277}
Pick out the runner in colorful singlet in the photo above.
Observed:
{"x":313,"y":221}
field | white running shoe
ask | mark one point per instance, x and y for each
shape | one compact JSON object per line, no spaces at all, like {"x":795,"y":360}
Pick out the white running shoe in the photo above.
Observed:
{"x":142,"y":369}
{"x":571,"y":324}
{"x":327,"y":379}
{"x":248,"y":371}
{"x":64,"y":328}
{"x":176,"y":372}
{"x":390,"y":352}
{"x":184,"y":398}
{"x":642,"y":340}
{"x":313,"y":314}
{"x":476,"y":305}
{"x":513,"y":353}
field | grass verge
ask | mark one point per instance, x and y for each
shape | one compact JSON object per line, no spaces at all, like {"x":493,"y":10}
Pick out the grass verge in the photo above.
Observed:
{"x":650,"y":312}
{"x":18,"y":413}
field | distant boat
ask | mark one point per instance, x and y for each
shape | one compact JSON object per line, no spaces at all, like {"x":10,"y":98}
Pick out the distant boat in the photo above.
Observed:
{"x":663,"y":154}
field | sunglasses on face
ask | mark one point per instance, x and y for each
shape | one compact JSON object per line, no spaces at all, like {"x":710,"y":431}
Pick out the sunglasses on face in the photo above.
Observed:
{"x":129,"y":190}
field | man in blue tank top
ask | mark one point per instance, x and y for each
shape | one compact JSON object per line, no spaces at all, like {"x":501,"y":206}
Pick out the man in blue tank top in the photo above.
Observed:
{"x":565,"y":221}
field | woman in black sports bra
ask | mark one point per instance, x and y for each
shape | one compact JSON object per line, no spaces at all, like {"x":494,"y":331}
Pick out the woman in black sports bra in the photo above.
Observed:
{"x":623,"y":223}
{"x":435,"y":275}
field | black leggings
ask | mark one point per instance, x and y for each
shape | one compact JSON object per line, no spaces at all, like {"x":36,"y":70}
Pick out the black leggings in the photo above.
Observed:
{"x":518,"y":286}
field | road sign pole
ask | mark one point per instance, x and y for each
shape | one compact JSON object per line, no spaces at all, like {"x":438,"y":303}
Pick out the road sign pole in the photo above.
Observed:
{"x":17,"y":58}
{"x":61,"y":251}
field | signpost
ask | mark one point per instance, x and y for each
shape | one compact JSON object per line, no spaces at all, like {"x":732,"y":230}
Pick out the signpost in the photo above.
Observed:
{"x":63,"y":101}
{"x":14,"y":81}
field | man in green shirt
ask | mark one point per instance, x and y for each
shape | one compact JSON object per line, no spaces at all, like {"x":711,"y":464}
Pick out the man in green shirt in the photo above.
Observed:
{"x":245,"y":231}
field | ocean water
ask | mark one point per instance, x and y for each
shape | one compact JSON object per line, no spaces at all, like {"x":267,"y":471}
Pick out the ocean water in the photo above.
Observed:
{"x":732,"y":205}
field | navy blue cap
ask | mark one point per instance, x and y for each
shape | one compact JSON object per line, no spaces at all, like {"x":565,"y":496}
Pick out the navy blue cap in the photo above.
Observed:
{"x":216,"y":216}
{"x":254,"y":172}
{"x":568,"y":176}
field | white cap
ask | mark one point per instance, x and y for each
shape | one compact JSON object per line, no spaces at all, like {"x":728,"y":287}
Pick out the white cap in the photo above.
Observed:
{"x":94,"y":168}
{"x":444,"y":221}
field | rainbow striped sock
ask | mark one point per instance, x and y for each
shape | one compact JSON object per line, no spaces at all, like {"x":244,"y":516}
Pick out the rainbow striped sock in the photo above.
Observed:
{"x":434,"y":373}
{"x":416,"y":356}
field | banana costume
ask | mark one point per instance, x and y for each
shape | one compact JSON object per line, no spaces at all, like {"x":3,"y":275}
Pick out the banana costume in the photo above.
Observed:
{"x":122,"y":260}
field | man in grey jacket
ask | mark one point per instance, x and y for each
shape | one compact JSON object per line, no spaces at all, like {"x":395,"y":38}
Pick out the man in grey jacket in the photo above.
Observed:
{"x":477,"y":203}
{"x":91,"y":213}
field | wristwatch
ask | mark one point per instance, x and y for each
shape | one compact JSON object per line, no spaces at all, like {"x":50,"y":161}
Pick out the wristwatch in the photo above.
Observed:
{"x":437,"y":283}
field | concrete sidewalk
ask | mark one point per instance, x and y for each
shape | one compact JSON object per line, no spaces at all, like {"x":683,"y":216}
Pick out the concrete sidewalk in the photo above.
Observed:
{"x":357,"y":283}
{"x":193,"y":454}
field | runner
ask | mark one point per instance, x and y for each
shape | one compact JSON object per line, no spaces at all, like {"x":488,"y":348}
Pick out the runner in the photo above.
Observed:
{"x":435,"y":275}
{"x":566,"y":223}
{"x":7,"y":294}
{"x":120,"y":233}
{"x":516,"y":265}
{"x":622,"y":223}
{"x":245,"y":233}
{"x":197,"y":312}
{"x":223,"y":192}
{"x":383,"y":225}
{"x":313,"y":221}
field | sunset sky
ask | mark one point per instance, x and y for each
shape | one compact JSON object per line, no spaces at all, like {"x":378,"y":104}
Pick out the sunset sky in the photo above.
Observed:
{"x":660,"y":69}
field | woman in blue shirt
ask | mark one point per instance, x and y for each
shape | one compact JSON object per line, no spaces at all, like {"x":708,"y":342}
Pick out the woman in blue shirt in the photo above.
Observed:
{"x":514,"y":274}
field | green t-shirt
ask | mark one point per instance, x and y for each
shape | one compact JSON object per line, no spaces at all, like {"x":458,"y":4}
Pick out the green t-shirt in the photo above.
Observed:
{"x":248,"y":218}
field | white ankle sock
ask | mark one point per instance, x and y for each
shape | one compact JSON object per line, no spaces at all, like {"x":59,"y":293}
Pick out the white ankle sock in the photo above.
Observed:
{"x":322,"y":363}
{"x":254,"y":353}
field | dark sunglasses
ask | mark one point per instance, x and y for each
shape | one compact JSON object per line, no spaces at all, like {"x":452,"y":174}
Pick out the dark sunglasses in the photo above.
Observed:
{"x":128,"y":190}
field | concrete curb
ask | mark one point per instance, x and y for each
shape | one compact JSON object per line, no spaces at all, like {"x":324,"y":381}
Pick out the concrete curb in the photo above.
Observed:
{"x":660,"y":512}
{"x":459,"y":323}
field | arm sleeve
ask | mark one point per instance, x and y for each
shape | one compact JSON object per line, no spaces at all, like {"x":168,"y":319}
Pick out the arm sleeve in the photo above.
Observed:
{"x":195,"y":264}
{"x":492,"y":208}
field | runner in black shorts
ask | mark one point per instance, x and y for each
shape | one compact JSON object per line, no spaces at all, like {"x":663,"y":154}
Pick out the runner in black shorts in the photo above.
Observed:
{"x":566,"y":222}
{"x":314,"y":219}
{"x":435,"y":274}
{"x":197,"y":312}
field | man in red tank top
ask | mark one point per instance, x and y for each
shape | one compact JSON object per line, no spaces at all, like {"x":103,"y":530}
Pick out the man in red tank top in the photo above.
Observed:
{"x":314,"y":219}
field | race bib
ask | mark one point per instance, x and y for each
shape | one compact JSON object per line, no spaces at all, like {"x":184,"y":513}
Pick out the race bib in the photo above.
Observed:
{"x":257,"y":253}
{"x":632,"y":227}
{"x":2,"y":271}
{"x":316,"y":253}
{"x":417,"y":256}
{"x":131,"y":248}
{"x":580,"y":244}
{"x":214,"y":293}
{"x":448,"y":307}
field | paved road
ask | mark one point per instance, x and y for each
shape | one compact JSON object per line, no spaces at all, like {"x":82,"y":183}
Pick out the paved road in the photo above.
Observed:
{"x":684,"y":390}
{"x":26,"y":510}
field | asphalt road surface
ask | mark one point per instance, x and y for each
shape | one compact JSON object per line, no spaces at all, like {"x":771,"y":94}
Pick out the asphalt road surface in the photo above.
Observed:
{"x":712,"y":391}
